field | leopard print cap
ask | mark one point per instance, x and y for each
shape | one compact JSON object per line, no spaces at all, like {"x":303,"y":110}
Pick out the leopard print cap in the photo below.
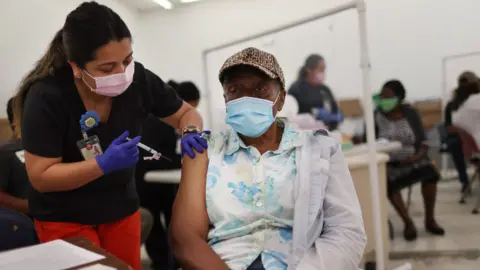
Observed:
{"x":254,"y":57}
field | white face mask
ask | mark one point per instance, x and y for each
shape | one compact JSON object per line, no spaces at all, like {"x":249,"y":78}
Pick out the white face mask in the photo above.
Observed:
{"x":113,"y":85}
{"x":320,"y":76}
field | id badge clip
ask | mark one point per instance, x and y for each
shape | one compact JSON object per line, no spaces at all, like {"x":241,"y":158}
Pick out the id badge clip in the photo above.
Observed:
{"x":89,"y":146}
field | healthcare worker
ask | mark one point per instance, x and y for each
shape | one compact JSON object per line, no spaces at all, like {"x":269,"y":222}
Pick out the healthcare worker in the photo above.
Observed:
{"x":313,"y":95}
{"x":82,"y":168}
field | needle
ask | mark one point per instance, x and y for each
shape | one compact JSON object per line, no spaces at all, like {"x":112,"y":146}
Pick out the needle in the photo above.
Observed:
{"x":150,"y":150}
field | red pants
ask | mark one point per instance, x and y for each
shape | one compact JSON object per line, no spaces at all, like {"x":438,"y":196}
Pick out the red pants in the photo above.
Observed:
{"x":120,"y":238}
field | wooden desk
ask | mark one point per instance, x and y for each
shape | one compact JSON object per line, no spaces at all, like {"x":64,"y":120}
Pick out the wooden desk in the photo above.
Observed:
{"x":109,"y":259}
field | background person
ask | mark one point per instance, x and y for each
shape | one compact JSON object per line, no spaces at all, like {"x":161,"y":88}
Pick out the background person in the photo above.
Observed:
{"x":158,"y":198}
{"x":313,"y":95}
{"x":468,"y":84}
{"x":89,"y":66}
{"x":396,"y":121}
{"x":465,"y":117}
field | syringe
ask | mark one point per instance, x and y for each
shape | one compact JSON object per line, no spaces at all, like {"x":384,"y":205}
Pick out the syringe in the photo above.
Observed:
{"x":155,"y":154}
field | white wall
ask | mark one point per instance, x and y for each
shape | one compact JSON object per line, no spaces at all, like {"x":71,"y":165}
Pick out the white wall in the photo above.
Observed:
{"x":407,"y":38}
{"x":27,"y":27}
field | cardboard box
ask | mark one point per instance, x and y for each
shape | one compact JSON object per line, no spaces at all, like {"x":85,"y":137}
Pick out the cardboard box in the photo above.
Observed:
{"x":351,"y":107}
{"x":430,"y":112}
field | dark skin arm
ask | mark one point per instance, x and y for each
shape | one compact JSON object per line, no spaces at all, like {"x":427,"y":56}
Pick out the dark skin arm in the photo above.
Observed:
{"x":17,"y":204}
{"x":453,"y":130}
{"x":190,"y":222}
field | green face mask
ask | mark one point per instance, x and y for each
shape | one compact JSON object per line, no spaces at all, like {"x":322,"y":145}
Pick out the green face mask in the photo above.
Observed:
{"x":388,"y":104}
{"x":385,"y":104}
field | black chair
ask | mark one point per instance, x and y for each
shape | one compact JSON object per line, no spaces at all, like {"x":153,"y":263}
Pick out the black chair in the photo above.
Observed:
{"x":16,"y":230}
{"x":444,"y":149}
{"x":475,"y":159}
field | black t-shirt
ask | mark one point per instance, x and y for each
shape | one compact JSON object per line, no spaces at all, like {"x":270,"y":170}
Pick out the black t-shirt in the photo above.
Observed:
{"x":309,"y":97}
{"x":50,"y":128}
{"x":13,"y":175}
{"x":165,"y":140}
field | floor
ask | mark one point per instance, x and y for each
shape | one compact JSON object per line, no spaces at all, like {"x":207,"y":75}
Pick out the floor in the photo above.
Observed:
{"x":459,"y":249}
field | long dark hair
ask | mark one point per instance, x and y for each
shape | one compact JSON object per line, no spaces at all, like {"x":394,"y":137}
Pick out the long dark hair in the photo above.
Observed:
{"x":311,"y":62}
{"x":87,"y":28}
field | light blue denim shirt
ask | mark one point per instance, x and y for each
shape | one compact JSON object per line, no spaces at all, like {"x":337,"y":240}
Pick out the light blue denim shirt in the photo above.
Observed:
{"x":296,"y":207}
{"x":250,"y":200}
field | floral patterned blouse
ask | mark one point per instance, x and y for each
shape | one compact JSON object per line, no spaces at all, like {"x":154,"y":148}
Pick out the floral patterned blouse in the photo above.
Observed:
{"x":250,"y":200}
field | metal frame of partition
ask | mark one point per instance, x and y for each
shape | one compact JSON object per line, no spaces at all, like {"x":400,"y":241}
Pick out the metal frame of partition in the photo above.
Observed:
{"x":359,"y":6}
{"x":445,"y":95}
{"x":444,"y":71}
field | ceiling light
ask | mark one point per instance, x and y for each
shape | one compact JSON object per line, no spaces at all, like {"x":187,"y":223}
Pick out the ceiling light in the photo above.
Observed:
{"x":166,"y":4}
{"x":188,"y":1}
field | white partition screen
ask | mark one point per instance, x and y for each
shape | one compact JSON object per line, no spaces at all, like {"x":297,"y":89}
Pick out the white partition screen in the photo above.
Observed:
{"x":453,"y":66}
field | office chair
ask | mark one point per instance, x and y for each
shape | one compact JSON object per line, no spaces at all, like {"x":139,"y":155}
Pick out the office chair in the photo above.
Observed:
{"x":16,"y":230}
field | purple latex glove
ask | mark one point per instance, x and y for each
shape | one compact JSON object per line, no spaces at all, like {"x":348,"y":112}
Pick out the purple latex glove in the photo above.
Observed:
{"x":323,"y":115}
{"x":191,"y":141}
{"x":121,"y":154}
{"x":328,"y":117}
{"x":338,"y":117}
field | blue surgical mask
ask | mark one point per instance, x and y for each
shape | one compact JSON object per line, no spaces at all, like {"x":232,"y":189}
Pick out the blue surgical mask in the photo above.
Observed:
{"x":250,"y":116}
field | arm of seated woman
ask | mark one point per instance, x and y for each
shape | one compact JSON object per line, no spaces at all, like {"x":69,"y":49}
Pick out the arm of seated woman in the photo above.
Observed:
{"x":421,"y":153}
{"x":190,"y":222}
{"x":342,"y":241}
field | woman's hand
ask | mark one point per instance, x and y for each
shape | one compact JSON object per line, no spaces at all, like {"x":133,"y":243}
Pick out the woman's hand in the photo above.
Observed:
{"x":119,"y":155}
{"x":194,"y":141}
{"x":417,"y":157}
{"x":411,"y":160}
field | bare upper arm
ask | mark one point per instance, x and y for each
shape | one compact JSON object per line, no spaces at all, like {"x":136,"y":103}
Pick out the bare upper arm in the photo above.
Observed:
{"x":37,"y":165}
{"x":189,"y":210}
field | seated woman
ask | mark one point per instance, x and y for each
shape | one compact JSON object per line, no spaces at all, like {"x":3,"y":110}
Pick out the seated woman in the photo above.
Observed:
{"x":267,"y":196}
{"x":400,"y":122}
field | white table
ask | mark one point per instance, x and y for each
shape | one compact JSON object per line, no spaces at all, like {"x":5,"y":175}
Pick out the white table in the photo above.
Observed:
{"x":164,"y":177}
{"x":358,"y":165}
{"x":382,"y":147}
